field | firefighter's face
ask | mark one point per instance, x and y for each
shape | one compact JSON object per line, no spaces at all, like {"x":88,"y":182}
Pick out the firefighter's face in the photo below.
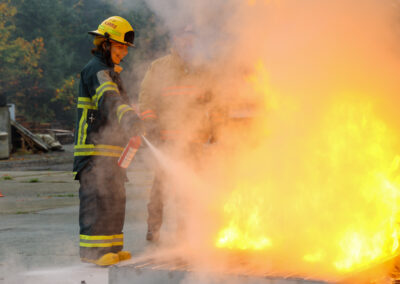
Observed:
{"x":118,"y":52}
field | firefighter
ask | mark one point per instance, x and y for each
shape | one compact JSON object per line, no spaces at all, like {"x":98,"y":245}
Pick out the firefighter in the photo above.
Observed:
{"x":173,"y":104}
{"x":105,"y":122}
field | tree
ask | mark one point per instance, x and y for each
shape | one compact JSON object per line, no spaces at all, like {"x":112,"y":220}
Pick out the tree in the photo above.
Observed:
{"x":65,"y":99}
{"x":56,"y":31}
{"x":19,"y":58}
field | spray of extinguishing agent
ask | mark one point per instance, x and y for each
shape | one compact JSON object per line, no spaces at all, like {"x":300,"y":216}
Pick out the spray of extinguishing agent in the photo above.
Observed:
{"x":165,"y":162}
{"x":132,"y":147}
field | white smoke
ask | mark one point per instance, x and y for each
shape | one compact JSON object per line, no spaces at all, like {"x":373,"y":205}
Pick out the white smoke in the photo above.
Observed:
{"x":313,"y":52}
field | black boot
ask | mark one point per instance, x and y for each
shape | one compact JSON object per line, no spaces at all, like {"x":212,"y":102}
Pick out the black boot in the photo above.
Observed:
{"x":153,"y":236}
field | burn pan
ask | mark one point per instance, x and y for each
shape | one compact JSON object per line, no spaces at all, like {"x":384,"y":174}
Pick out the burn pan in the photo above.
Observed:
{"x":152,"y":271}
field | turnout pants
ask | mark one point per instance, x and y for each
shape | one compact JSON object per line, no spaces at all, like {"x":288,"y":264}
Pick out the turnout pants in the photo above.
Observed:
{"x":102,"y":208}
{"x":159,"y":192}
{"x":155,"y":207}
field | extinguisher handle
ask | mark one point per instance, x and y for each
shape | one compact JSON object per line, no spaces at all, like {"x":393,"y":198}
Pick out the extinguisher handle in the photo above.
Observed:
{"x":135,"y":141}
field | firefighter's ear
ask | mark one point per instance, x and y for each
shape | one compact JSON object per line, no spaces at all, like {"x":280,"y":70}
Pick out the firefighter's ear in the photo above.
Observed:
{"x":107,"y":45}
{"x":104,"y":45}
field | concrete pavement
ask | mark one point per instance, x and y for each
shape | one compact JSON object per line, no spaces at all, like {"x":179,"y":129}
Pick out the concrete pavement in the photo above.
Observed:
{"x":50,"y":161}
{"x":39,"y":231}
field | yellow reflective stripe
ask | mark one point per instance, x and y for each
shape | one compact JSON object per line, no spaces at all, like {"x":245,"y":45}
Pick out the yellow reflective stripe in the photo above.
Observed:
{"x":109,"y":30}
{"x":105,"y":154}
{"x":84,"y":99}
{"x":84,"y":102}
{"x":121,"y":107}
{"x":122,"y":114}
{"x":87,"y":106}
{"x":98,"y":150}
{"x":81,"y":130}
{"x":100,"y":89}
{"x":85,"y":133}
{"x":101,"y":245}
{"x":92,"y":146}
{"x":108,"y":241}
{"x":98,"y":97}
{"x":96,"y":238}
{"x":107,"y":86}
{"x":121,"y":110}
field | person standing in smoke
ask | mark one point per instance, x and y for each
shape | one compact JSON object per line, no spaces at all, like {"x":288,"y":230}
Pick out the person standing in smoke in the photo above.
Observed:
{"x":105,"y":122}
{"x":174,"y":103}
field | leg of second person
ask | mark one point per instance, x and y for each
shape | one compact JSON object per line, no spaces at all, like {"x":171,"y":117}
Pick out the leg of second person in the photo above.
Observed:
{"x":155,"y":209}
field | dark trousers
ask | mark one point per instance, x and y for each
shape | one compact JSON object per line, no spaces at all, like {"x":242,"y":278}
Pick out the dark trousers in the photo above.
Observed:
{"x":159,"y":192}
{"x":155,"y":207}
{"x":102,"y":207}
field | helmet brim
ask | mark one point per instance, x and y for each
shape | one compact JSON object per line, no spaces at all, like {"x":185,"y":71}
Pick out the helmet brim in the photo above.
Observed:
{"x":96,"y":33}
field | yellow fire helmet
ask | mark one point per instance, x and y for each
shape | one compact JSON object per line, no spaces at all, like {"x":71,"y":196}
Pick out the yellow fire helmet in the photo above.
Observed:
{"x":116,"y":28}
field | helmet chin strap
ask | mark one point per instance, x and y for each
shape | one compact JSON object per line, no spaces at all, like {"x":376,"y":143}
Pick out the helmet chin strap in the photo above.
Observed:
{"x":107,"y":55}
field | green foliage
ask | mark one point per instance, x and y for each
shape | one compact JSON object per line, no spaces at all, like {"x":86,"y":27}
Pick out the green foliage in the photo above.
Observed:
{"x":33,"y":180}
{"x":64,"y":99}
{"x":7,"y":177}
{"x":19,"y":58}
{"x":44,"y":45}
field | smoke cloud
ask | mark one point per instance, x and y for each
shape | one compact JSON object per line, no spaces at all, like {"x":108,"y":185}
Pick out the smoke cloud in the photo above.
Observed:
{"x":304,"y":176}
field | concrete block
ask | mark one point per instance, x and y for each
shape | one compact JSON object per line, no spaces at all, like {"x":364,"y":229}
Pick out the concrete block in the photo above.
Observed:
{"x":5,"y":133}
{"x":4,"y":119}
{"x":4,"y":146}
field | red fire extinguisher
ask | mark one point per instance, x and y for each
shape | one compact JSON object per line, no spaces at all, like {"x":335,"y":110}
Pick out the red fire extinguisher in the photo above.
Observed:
{"x":129,"y":152}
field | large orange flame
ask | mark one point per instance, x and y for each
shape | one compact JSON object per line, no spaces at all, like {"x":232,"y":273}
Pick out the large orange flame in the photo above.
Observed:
{"x":332,"y":195}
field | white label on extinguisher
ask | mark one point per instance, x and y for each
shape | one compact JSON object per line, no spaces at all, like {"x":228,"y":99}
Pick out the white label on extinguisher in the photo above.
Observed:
{"x":128,"y":158}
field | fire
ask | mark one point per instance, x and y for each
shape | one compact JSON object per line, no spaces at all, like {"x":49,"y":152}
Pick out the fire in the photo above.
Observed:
{"x":372,"y":234}
{"x":333,"y":194}
{"x":254,"y":2}
{"x":244,"y":231}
